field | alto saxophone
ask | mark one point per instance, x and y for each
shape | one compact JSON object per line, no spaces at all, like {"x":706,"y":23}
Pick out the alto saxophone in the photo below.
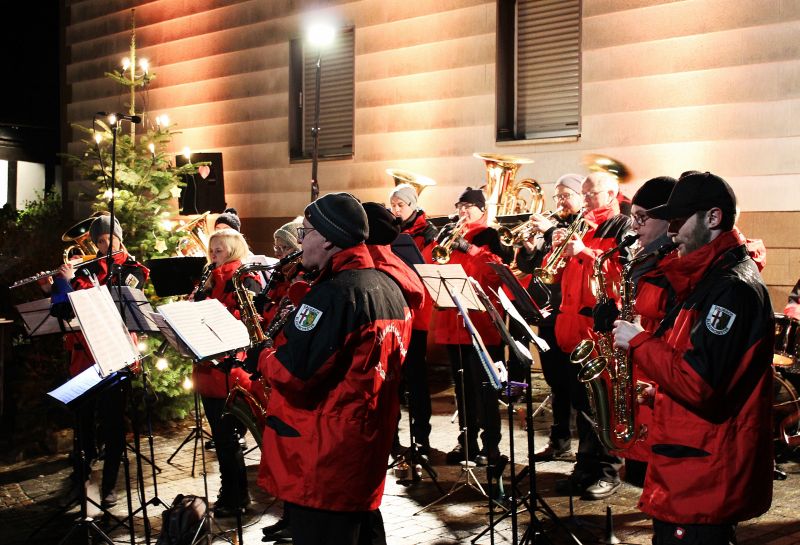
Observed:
{"x":244,"y":297}
{"x":608,"y":377}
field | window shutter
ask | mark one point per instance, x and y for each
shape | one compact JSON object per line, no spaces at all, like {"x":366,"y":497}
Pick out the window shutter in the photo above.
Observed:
{"x":548,"y":68}
{"x":336,"y":97}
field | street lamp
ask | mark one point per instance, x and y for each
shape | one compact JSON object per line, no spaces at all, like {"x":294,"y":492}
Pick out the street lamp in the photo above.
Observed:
{"x":319,"y":35}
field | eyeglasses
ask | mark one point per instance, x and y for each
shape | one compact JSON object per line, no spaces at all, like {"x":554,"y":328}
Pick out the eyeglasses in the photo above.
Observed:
{"x":282,"y":249}
{"x":561,"y":196}
{"x":463,"y":205}
{"x":590,"y":194}
{"x":302,"y":232}
{"x":640,"y":219}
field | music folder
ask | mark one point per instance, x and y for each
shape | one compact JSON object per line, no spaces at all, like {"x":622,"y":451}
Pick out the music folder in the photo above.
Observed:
{"x":205,"y":328}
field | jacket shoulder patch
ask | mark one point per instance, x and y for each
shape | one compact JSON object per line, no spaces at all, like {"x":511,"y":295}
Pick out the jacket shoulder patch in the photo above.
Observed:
{"x":307,"y":317}
{"x":719,"y":320}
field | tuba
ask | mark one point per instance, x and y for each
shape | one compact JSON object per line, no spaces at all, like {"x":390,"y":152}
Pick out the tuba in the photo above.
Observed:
{"x":608,"y":377}
{"x":417,"y":181}
{"x":80,"y":238}
{"x":504,"y":195}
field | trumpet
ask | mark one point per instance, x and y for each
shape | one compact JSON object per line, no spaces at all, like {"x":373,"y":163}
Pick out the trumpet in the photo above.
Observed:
{"x":441,"y":253}
{"x":556,"y":262}
{"x":516,"y":235}
{"x":53,"y":272}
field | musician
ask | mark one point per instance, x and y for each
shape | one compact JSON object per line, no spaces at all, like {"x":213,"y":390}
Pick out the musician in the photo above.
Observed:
{"x":334,"y":405}
{"x":285,"y":243}
{"x":403,"y":201}
{"x":711,"y":463}
{"x":558,"y":372}
{"x":473,"y":245}
{"x":108,"y":407}
{"x":226,"y":250}
{"x":654,"y":296}
{"x":229,"y":219}
{"x":596,"y":471}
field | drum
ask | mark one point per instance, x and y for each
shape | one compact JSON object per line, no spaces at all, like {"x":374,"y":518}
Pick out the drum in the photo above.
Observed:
{"x":787,"y":341}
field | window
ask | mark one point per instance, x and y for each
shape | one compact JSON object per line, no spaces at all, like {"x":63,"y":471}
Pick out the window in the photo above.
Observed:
{"x":336,"y":97}
{"x":538,"y":69}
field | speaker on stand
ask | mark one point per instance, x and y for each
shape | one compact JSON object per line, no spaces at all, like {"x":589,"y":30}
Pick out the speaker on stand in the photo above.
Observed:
{"x":205,"y":190}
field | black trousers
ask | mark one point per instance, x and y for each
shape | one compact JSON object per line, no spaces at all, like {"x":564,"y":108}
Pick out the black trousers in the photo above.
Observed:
{"x":232,"y":470}
{"x":668,"y":533}
{"x":102,"y":418}
{"x":560,"y":375}
{"x":479,"y":402}
{"x":319,"y":527}
{"x":415,"y":371}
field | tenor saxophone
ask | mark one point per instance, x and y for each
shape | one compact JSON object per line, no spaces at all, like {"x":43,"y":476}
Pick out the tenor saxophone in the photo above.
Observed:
{"x":606,"y":371}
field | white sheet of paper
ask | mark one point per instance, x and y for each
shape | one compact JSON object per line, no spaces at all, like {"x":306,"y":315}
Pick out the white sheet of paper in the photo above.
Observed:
{"x":77,"y":385}
{"x":207,"y":328}
{"x":512,"y":311}
{"x":37,"y":319}
{"x":109,"y":340}
{"x":456,"y":278}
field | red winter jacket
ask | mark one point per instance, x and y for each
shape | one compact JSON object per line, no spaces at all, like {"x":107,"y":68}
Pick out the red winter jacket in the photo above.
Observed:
{"x":446,"y":325}
{"x":334,"y":406}
{"x":134,"y":274}
{"x":711,"y":435}
{"x":208,"y":380}
{"x":409,"y":282}
{"x":423,"y":233}
{"x":574,"y":322}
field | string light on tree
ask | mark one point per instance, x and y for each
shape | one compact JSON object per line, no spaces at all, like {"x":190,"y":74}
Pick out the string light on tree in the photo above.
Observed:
{"x":162,"y":364}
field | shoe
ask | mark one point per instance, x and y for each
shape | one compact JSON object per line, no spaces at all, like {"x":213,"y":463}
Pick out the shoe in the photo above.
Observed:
{"x":222,"y":510}
{"x":279,"y":531}
{"x":552,"y":451}
{"x":109,"y":500}
{"x":574,"y":485}
{"x":456,"y":456}
{"x":210,"y":444}
{"x":601,"y":490}
{"x":483,"y":459}
{"x":424,"y":448}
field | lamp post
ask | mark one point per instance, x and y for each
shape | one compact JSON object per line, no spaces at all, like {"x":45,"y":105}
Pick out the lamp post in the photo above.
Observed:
{"x":319,"y":35}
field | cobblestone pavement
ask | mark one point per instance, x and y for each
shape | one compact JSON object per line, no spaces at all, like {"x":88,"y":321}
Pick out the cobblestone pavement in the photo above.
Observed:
{"x":34,"y":493}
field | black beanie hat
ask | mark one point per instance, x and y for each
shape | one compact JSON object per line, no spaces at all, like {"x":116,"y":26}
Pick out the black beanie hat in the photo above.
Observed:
{"x":654,"y":192}
{"x":340,"y":218}
{"x":230,"y":218}
{"x":473,"y":196}
{"x":383,"y":225}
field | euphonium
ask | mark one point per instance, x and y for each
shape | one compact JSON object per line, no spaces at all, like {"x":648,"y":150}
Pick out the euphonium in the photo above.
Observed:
{"x":608,"y":377}
{"x":441,"y":252}
{"x":556,"y":261}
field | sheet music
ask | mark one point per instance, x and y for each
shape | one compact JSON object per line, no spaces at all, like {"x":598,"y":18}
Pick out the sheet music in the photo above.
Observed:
{"x":137,"y":309}
{"x":491,"y":368}
{"x":207,"y":328}
{"x":514,"y":313}
{"x":456,"y":278}
{"x":109,"y":341}
{"x":77,"y":385}
{"x":170,"y":335}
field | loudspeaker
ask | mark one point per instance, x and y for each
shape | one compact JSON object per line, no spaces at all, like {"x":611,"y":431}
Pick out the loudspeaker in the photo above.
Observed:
{"x":204,"y":191}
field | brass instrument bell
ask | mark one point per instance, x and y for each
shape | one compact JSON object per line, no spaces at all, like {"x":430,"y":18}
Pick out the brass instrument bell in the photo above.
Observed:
{"x":417,"y":181}
{"x":81,"y":240}
{"x":196,"y":241}
{"x":502,"y":192}
{"x":596,"y":162}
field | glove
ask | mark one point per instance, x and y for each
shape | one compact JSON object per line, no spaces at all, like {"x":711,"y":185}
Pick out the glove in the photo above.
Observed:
{"x":200,"y":296}
{"x":461,"y":244}
{"x":250,"y":363}
{"x":604,"y":315}
{"x":260,"y":301}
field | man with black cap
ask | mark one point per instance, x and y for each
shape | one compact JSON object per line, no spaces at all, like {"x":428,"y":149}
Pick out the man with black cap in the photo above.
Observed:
{"x":473,"y":245}
{"x":334,"y":404}
{"x":558,"y":372}
{"x":108,"y":406}
{"x":711,"y":463}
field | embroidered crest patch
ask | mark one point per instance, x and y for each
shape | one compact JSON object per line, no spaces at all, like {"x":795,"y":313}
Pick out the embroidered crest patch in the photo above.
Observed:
{"x":307,"y":317}
{"x":719,"y":320}
{"x":131,"y":281}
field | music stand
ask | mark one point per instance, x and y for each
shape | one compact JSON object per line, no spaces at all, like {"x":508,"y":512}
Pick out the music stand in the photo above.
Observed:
{"x":38,"y":321}
{"x":190,"y":323}
{"x":449,"y":287}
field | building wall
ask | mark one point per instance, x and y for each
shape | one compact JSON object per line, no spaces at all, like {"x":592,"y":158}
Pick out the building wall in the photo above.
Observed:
{"x":668,"y":86}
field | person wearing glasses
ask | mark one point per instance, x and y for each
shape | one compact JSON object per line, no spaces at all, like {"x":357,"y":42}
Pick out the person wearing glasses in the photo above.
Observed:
{"x":473,"y":245}
{"x":711,"y":359}
{"x":334,"y":404}
{"x":558,"y":372}
{"x":596,"y":471}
